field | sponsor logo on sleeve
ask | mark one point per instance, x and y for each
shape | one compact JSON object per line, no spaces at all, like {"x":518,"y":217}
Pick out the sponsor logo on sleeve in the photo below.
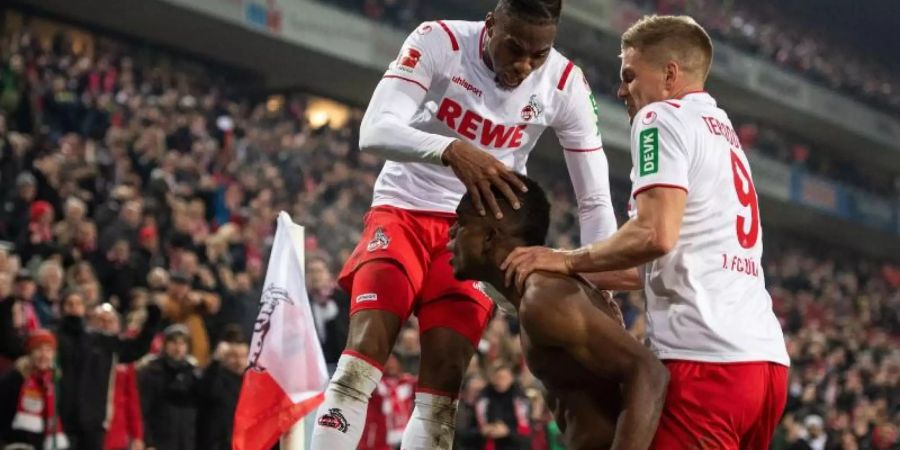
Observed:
{"x":424,"y":29}
{"x":648,"y":142}
{"x":409,"y":59}
{"x":370,"y":297}
{"x":649,"y":118}
{"x":596,"y":110}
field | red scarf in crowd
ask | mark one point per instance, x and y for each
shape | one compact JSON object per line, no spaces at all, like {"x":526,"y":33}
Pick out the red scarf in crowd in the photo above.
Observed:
{"x":36,"y":410}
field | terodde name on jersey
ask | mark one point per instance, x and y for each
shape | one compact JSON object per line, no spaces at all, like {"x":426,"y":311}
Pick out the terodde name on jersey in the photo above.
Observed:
{"x":472,"y":125}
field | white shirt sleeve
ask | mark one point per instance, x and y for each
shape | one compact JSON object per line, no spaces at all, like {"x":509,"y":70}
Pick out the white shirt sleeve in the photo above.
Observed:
{"x":659,"y":149}
{"x":385,"y":129}
{"x":578,"y":132}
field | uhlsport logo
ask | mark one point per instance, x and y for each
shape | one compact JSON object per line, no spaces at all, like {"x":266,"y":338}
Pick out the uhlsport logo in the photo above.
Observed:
{"x":649,"y":142}
{"x":380,"y":241}
{"x":272,"y":297}
{"x":334,"y":418}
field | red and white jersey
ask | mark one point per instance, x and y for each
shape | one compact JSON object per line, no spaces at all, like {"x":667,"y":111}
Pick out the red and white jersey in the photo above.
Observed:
{"x":443,"y":60}
{"x":706,"y":299}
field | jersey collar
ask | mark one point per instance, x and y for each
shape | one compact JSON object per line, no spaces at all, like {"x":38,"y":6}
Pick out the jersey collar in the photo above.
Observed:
{"x":698,"y":96}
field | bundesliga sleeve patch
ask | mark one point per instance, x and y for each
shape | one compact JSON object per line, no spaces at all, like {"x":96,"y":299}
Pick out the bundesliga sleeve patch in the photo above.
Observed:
{"x":648,"y":141}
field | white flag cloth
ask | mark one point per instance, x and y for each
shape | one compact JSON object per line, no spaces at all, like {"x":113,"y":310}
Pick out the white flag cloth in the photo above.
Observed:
{"x":287,"y":375}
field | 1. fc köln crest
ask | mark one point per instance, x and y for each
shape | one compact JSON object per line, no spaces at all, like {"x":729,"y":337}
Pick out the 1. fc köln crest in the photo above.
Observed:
{"x":380,"y":241}
{"x":532,"y":110}
{"x":272,"y":297}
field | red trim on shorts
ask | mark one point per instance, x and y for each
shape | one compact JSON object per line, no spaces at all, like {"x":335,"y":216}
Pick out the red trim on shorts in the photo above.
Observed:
{"x":365,"y":358}
{"x":407,"y":79}
{"x":565,"y":75}
{"x":700,"y":91}
{"x":431,"y":391}
{"x":672,"y":103}
{"x":724,"y":363}
{"x":656,"y":185}
{"x":583,"y":150}
{"x":449,"y":33}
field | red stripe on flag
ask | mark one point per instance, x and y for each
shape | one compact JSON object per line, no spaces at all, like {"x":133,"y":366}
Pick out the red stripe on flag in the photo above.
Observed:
{"x":449,"y":33}
{"x":264,"y":412}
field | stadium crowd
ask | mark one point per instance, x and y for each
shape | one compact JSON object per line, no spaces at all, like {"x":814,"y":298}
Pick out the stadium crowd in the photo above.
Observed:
{"x":758,"y":27}
{"x":138,"y":207}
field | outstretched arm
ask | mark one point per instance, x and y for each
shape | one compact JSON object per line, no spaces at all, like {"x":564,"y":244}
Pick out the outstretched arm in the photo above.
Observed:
{"x":555,"y":312}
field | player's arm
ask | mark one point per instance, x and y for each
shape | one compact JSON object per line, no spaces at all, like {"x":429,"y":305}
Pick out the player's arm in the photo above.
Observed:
{"x":385,"y":129}
{"x":661,"y":163}
{"x":555,"y":314}
{"x":616,"y":280}
{"x":578,"y":131}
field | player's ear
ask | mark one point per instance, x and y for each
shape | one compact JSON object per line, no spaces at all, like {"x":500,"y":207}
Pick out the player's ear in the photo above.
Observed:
{"x":673,"y":72}
{"x":489,"y":23}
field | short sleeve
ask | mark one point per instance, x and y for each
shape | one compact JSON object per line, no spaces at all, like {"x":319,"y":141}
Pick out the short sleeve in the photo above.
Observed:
{"x":423,"y":54}
{"x":659,"y":151}
{"x":577,"y":127}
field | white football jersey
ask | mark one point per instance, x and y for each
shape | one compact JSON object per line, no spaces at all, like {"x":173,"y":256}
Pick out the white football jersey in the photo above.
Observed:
{"x":706,"y":299}
{"x":463,"y":101}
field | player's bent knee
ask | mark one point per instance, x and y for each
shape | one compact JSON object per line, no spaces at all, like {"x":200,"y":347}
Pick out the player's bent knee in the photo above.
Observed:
{"x":445,"y":358}
{"x":372,"y":334}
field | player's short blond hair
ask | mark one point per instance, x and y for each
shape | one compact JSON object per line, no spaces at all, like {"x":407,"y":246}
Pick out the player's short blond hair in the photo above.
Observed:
{"x":678,"y":38}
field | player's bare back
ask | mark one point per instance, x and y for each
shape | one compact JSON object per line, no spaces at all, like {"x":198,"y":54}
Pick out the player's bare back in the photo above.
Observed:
{"x":585,"y":407}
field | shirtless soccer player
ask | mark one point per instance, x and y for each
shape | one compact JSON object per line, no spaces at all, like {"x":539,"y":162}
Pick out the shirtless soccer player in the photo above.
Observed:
{"x":695,"y":231}
{"x":458,"y":111}
{"x":605,"y":388}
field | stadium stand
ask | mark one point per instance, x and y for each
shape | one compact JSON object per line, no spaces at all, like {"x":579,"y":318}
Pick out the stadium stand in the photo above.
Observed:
{"x":118,"y":159}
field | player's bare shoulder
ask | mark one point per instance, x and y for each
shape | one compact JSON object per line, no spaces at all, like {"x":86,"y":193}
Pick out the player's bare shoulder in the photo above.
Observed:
{"x":550,"y":305}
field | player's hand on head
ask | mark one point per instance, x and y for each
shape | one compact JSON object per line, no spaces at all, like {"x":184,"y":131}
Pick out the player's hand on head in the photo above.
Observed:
{"x":478,"y":171}
{"x":523,"y":261}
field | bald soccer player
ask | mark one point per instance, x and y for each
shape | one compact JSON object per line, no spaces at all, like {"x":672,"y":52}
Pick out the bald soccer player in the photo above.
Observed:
{"x":605,"y":388}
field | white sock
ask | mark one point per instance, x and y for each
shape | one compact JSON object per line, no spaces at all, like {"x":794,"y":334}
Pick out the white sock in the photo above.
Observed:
{"x":342,"y":416}
{"x":432,"y":424}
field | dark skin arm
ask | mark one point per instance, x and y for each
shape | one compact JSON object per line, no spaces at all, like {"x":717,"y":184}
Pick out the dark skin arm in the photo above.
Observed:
{"x":557,"y":313}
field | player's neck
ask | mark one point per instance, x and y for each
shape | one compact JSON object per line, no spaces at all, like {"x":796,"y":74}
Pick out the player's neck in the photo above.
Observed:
{"x":677,"y":94}
{"x":497,"y":277}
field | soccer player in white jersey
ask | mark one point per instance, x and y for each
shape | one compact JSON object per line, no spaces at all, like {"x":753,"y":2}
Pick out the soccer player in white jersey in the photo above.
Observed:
{"x":458,"y":111}
{"x":695,"y":231}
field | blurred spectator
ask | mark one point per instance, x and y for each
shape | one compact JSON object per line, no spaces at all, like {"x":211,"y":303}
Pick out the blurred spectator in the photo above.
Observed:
{"x":502,"y":411}
{"x":88,"y":357}
{"x":49,"y":291}
{"x":408,"y":351}
{"x":28,"y":398}
{"x":397,"y":391}
{"x":189,"y":307}
{"x":219,"y":390}
{"x":390,"y":408}
{"x":125,"y":426}
{"x":468,"y":431}
{"x":169,"y":395}
{"x":330,"y":308}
